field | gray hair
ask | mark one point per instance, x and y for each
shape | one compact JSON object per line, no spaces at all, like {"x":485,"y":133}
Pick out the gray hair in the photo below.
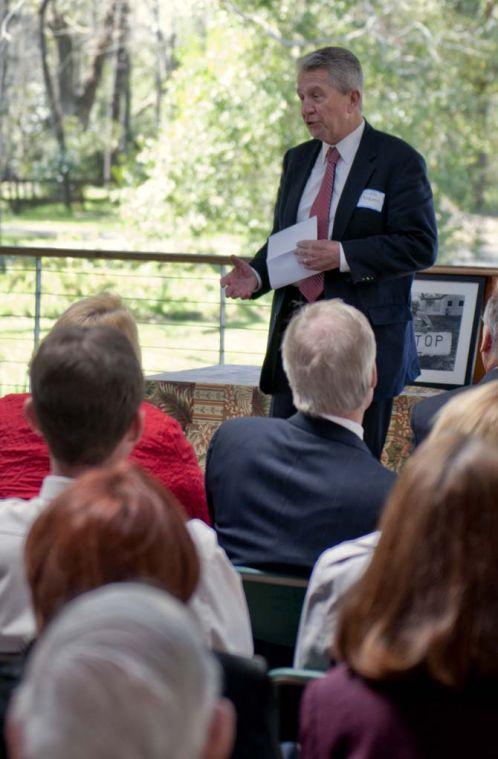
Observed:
{"x":490,"y":320}
{"x":343,"y":67}
{"x":120,"y":672}
{"x":329,"y":355}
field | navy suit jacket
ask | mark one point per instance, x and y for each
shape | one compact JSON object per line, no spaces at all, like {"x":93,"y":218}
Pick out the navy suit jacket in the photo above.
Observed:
{"x":281,"y":491}
{"x":423,"y":413}
{"x":383,"y":250}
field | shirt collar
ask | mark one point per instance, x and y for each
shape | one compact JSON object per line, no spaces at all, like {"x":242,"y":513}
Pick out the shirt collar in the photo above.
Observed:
{"x":347,"y":423}
{"x":53,"y":485}
{"x":348,"y":146}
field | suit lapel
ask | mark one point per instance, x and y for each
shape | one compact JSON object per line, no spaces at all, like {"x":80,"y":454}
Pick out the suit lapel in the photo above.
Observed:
{"x":361,"y":171}
{"x":301,"y":175}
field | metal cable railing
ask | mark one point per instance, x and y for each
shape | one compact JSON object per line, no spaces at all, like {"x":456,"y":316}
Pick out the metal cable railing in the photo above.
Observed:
{"x":183,"y":318}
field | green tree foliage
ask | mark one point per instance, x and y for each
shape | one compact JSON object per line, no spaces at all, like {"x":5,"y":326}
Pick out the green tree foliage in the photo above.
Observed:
{"x":231,"y":109}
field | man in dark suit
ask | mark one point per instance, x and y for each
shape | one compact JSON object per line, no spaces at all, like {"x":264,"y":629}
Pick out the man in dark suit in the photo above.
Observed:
{"x":283,"y":490}
{"x":379,"y":229}
{"x":423,"y":413}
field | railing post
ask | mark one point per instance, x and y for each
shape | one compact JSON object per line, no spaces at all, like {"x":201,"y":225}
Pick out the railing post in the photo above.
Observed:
{"x":221,"y":357}
{"x":37,"y":300}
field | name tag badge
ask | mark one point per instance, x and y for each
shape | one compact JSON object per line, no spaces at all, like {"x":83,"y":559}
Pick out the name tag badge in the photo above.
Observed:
{"x":373,"y":199}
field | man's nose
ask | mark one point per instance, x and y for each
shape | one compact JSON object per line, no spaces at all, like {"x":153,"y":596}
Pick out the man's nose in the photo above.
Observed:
{"x":306,"y":106}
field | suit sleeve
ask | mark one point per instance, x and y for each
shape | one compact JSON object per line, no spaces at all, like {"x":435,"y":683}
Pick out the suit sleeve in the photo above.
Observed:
{"x":408,"y":241}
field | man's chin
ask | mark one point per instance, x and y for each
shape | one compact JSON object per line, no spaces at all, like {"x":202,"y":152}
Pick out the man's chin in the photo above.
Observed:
{"x":315,"y":131}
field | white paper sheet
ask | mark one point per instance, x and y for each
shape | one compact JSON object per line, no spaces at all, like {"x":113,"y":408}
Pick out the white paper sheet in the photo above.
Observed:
{"x":283,"y":265}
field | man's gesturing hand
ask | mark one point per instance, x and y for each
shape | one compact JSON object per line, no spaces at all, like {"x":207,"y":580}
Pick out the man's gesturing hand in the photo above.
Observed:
{"x":241,"y":282}
{"x":319,"y":255}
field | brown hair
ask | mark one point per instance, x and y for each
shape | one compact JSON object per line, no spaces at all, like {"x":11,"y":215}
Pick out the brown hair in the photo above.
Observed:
{"x":87,"y":386}
{"x":102,"y":310}
{"x":428,"y":599}
{"x":110,"y":525}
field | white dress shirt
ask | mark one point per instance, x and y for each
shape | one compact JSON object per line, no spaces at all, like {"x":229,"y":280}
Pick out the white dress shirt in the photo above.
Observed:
{"x":333,"y":574}
{"x":348,"y":147}
{"x":218,"y":604}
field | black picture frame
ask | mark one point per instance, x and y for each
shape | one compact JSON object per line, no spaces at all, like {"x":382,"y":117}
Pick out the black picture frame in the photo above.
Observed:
{"x":446,"y":311}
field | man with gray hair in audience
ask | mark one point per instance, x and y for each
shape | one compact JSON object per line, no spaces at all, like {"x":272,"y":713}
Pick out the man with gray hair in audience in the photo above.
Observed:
{"x":283,"y":490}
{"x":121,"y":672}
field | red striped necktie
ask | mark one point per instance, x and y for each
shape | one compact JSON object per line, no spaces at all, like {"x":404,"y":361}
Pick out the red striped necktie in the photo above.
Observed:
{"x":312,"y":287}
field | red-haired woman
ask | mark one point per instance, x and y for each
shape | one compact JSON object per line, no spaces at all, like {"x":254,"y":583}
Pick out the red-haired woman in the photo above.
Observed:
{"x":111,"y":525}
{"x":418,"y":634}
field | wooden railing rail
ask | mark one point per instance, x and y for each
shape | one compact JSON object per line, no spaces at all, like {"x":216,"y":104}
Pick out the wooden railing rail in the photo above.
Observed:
{"x":192,"y":258}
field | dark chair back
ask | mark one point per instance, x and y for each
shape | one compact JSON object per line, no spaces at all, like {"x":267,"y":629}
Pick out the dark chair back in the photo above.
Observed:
{"x":288,"y":686}
{"x":275,"y":602}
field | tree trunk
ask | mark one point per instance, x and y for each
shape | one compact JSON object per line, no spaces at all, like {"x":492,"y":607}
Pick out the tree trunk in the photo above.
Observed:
{"x":166,"y":61}
{"x":4,"y":103}
{"x":65,"y":70}
{"x":121,"y":91}
{"x":85,"y":101}
{"x":56,"y":116}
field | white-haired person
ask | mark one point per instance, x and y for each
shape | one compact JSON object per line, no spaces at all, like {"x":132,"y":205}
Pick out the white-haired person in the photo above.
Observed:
{"x":121,"y":672}
{"x":284,"y":490}
{"x":163,"y":450}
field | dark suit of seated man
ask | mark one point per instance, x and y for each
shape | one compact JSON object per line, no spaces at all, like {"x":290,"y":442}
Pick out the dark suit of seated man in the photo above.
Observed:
{"x":423,"y":413}
{"x":283,"y":490}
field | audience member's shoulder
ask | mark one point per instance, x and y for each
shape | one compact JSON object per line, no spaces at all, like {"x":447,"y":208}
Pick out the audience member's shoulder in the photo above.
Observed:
{"x":350,"y":550}
{"x":347,"y":696}
{"x":377,"y":471}
{"x":250,"y":425}
{"x":13,"y":422}
{"x":17,"y":514}
{"x":157,"y":421}
{"x":204,"y":537}
{"x":13,"y":402}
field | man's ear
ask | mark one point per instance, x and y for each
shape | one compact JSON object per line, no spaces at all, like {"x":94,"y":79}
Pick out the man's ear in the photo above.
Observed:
{"x":374,"y":376}
{"x":130,"y":438}
{"x":221,"y":732}
{"x":135,"y":429}
{"x":486,"y":340}
{"x":30,"y":414}
{"x":138,"y":424}
{"x":355,"y":99}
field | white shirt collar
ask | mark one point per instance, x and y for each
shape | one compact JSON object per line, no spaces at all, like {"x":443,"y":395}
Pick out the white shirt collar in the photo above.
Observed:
{"x":53,"y":485}
{"x":348,"y":146}
{"x":347,"y":423}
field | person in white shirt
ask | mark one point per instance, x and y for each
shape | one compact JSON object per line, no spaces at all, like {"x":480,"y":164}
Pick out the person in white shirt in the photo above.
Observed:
{"x":334,"y":573}
{"x":284,"y":490}
{"x":86,"y":390}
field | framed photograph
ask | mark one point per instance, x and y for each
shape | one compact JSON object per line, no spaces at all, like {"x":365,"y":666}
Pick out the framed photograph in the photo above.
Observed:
{"x":446,"y":313}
